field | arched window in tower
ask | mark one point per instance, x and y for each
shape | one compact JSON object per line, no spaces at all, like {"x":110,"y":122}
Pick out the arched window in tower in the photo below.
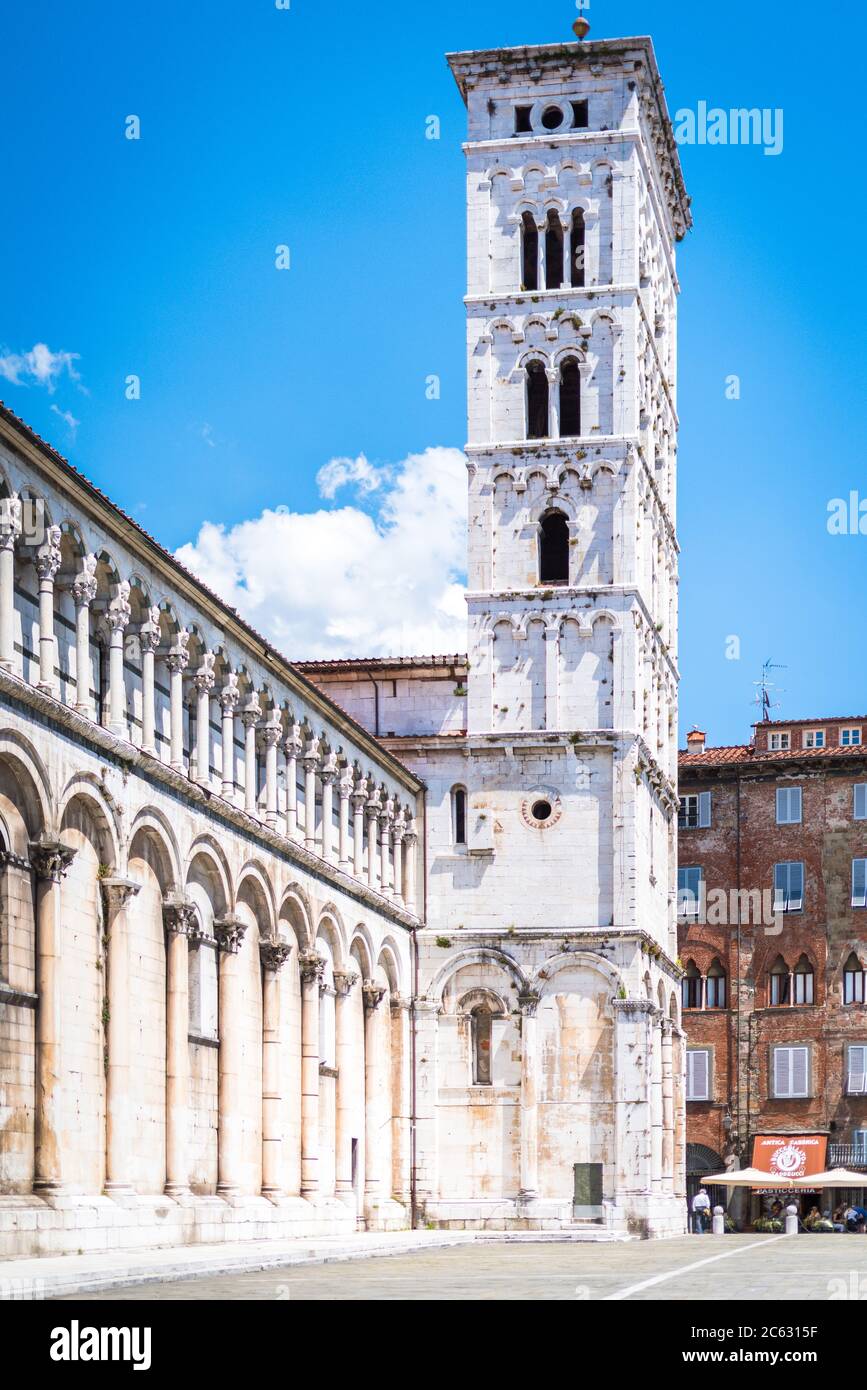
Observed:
{"x":553,"y":252}
{"x":853,"y":981}
{"x":554,"y":549}
{"x":481,"y":1028}
{"x":690,"y":987}
{"x":716,"y":986}
{"x":570,"y":398}
{"x":780,"y":983}
{"x":537,"y":401}
{"x":459,"y":816}
{"x":577,"y":249}
{"x":529,"y":252}
{"x":802,"y":980}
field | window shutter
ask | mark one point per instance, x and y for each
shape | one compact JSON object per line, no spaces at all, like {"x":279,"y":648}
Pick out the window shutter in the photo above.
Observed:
{"x":859,"y":882}
{"x":698,"y":1070}
{"x":796,"y":887}
{"x":800,"y":1068}
{"x":782,"y":1071}
{"x":857,"y":1070}
{"x":861,"y":801}
{"x":704,"y":810}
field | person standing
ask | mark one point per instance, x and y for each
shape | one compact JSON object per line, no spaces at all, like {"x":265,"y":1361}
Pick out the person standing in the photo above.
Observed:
{"x":701,"y":1212}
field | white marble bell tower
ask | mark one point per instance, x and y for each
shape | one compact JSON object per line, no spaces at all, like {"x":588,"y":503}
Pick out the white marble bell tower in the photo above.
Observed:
{"x":551,"y":1054}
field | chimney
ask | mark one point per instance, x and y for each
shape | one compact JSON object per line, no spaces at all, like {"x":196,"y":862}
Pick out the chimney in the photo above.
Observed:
{"x":695,"y":741}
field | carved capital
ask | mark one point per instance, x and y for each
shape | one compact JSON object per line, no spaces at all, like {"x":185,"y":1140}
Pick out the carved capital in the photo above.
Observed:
{"x":400,"y":1003}
{"x":293,"y":744}
{"x":230,"y":693}
{"x":205,"y":678}
{"x":528,"y":1003}
{"x":344,"y":982}
{"x":274,"y":954}
{"x":119,"y":610}
{"x":117,"y":893}
{"x":48,"y":557}
{"x":631,"y":1007}
{"x":311,"y":754}
{"x":180,"y":917}
{"x":149,"y":635}
{"x":311,"y":967}
{"x":272,"y":733}
{"x":50,"y":859}
{"x":229,"y":932}
{"x":251,"y":714}
{"x":373,"y":995}
{"x":329,"y":769}
{"x":84,"y":585}
{"x":10,"y":520}
{"x":346,"y":784}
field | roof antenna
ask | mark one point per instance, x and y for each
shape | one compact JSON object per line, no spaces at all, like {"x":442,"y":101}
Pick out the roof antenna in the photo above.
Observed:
{"x":581,"y":27}
{"x":764,"y":688}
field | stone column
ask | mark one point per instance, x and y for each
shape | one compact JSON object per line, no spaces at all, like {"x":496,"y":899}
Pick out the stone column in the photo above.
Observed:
{"x":271,"y":734}
{"x":229,"y":698}
{"x":293,"y":748}
{"x":47,"y":562}
{"x":373,"y":809}
{"x":552,"y":677}
{"x":50,"y":861}
{"x":359,"y":801}
{"x":667,"y":1108}
{"x":399,"y":832}
{"x":204,"y":681}
{"x":656,"y":1100}
{"x":679,"y":1113}
{"x":181,"y":926}
{"x":149,"y":638}
{"x":117,"y":893}
{"x":410,"y":841}
{"x":529,"y":1191}
{"x":117,"y":616}
{"x":250,"y":717}
{"x":327,"y":776}
{"x":632,"y":1018}
{"x":273,"y":955}
{"x":344,"y":983}
{"x":10,"y":530}
{"x":229,"y":933}
{"x":177,"y":661}
{"x":84,"y":589}
{"x":311,"y":967}
{"x":311,"y":763}
{"x":373,"y":996}
{"x":425,"y":1019}
{"x":401,"y":1097}
{"x":344,"y":787}
{"x":385,"y":821}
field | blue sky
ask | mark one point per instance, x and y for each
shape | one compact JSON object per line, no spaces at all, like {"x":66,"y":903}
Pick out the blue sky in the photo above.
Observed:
{"x":306,"y":127}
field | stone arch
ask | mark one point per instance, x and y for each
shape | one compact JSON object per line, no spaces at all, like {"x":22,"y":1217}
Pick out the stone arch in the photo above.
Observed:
{"x":296,"y":914}
{"x":572,"y":959}
{"x":388,"y":964}
{"x":151,"y":821}
{"x":361,"y":948}
{"x":87,"y":790}
{"x":330,"y":926}
{"x":207,"y":858}
{"x":254,"y":886}
{"x":30,"y":811}
{"x":477,"y":955}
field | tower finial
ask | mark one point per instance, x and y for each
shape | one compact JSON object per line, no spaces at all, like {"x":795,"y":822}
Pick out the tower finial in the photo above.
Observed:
{"x":581,"y":27}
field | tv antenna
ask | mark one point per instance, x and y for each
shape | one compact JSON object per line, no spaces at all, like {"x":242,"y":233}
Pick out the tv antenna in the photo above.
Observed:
{"x":764,"y":688}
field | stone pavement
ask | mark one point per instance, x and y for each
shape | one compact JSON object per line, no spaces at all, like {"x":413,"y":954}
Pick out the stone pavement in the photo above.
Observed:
{"x":431,"y":1266}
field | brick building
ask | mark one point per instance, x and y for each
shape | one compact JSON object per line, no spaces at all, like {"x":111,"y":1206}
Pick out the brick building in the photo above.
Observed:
{"x":772,"y":910}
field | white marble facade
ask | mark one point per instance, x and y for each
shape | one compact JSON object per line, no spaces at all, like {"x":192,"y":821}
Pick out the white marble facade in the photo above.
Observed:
{"x":293,"y":949}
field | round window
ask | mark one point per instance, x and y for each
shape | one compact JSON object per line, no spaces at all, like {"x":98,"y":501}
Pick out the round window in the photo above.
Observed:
{"x":552,"y":118}
{"x":541,"y":810}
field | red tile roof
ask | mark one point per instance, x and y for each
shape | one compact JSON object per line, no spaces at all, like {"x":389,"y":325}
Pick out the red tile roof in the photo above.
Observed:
{"x":810,"y":723}
{"x":360,"y":663}
{"x":748,"y":753}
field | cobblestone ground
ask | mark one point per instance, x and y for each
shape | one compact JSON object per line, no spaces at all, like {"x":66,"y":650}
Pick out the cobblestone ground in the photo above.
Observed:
{"x":697,"y":1267}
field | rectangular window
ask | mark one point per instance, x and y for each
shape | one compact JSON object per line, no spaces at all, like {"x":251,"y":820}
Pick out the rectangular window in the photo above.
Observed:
{"x":698,"y":1073}
{"x":694,"y":812}
{"x":856,"y":1070}
{"x":788,"y":887}
{"x":779,"y":742}
{"x":859,"y":1143}
{"x":850,"y":738}
{"x":859,"y":882}
{"x":522,"y":119}
{"x":791,"y":1067}
{"x":814,"y":738}
{"x":689,"y":891}
{"x":860,"y":801}
{"x":581,"y":112}
{"x":788,"y":805}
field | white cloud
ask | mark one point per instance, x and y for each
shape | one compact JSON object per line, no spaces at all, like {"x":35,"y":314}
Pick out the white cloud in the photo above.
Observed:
{"x":38,"y":367}
{"x":68,"y":418}
{"x":342,"y":582}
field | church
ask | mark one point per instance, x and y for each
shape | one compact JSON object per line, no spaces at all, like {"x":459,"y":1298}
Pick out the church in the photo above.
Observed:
{"x":296,"y":948}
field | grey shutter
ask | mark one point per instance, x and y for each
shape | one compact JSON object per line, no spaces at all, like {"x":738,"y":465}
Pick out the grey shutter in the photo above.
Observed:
{"x":857,"y":1071}
{"x":782,"y":1071}
{"x":800,"y":1071}
{"x":861,"y":800}
{"x":859,"y":882}
{"x":698,"y":1074}
{"x":704,"y":810}
{"x":796,"y":887}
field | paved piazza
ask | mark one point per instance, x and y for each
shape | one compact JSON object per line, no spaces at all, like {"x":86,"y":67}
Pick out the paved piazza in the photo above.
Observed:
{"x":748,"y":1267}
